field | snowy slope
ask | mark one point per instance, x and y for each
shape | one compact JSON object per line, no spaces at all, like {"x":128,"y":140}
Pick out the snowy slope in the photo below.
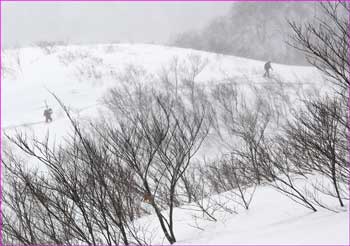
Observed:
{"x":79,"y":76}
{"x":271,"y":219}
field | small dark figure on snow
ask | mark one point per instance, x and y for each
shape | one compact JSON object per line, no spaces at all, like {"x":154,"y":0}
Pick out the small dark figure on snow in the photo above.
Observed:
{"x":267,"y":68}
{"x":47,"y":114}
{"x":147,"y":197}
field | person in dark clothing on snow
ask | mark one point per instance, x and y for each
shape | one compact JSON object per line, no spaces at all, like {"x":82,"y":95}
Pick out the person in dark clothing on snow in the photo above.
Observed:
{"x":47,"y":114}
{"x":267,"y":68}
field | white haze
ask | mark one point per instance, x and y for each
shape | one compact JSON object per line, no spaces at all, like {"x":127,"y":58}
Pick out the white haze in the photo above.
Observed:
{"x":25,"y":23}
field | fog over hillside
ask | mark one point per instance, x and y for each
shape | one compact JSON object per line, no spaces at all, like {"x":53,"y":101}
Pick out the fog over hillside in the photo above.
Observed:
{"x":257,"y":30}
{"x":24,"y":24}
{"x":223,"y":136}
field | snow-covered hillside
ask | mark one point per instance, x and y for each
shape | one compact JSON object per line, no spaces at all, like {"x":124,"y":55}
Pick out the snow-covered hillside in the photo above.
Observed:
{"x":272,"y":219}
{"x":80,"y":75}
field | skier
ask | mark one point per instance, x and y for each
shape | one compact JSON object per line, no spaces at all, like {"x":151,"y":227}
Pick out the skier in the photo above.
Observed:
{"x":47,"y":114}
{"x":267,"y":68}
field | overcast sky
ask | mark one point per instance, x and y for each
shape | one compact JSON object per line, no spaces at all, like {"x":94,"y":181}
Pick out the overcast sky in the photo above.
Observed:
{"x":25,"y":23}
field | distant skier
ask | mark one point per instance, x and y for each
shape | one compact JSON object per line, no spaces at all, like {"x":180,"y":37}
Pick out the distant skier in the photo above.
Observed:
{"x":47,"y":114}
{"x":267,"y":68}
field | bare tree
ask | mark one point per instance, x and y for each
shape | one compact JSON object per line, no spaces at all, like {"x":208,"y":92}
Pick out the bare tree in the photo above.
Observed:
{"x":317,"y":135}
{"x":320,"y":131}
{"x":325,"y":42}
{"x":199,"y":192}
{"x":156,"y":134}
{"x":275,"y":158}
{"x":232,"y":174}
{"x":84,"y":195}
{"x":241,"y":124}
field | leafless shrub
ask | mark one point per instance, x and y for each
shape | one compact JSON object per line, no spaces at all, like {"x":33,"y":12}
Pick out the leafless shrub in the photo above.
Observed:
{"x":325,"y":43}
{"x":241,"y":125}
{"x":277,"y":95}
{"x":200,"y":190}
{"x":157,"y":133}
{"x":318,"y":134}
{"x":275,"y":159}
{"x":47,"y":47}
{"x":85,"y":194}
{"x":233,"y":175}
{"x":68,"y":57}
{"x":88,"y":71}
{"x":320,"y":131}
{"x":197,"y":190}
{"x":86,"y":65}
{"x":321,"y":187}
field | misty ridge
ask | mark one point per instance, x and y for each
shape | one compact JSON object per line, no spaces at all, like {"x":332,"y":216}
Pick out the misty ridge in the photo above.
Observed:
{"x":231,"y":133}
{"x":253,"y":30}
{"x":256,"y":30}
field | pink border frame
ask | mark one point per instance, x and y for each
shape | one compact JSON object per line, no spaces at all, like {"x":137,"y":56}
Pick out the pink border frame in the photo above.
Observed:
{"x":348,"y":113}
{"x":169,"y":0}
